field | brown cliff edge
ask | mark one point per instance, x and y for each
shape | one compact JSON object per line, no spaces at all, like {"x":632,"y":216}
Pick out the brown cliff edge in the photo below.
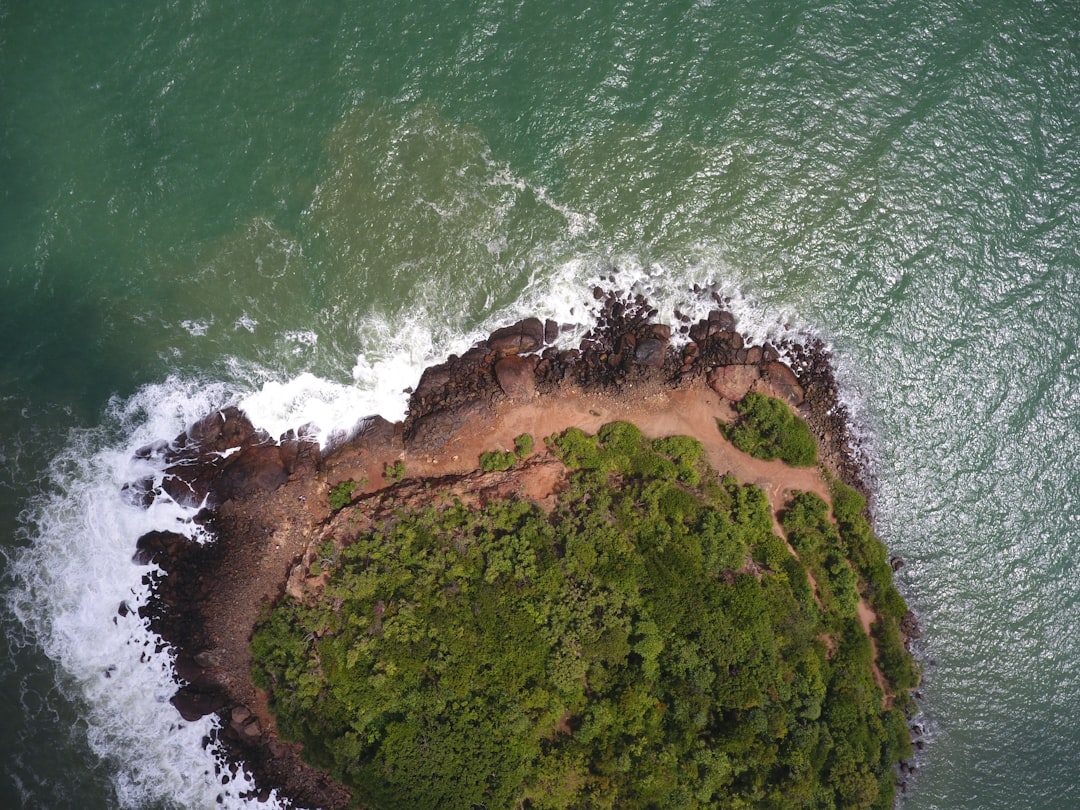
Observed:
{"x":266,"y":503}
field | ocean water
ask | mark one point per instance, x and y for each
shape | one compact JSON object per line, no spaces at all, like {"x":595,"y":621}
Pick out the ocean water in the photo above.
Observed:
{"x":296,"y":206}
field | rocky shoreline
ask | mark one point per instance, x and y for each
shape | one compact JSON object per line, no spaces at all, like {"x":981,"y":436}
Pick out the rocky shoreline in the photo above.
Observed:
{"x":265,"y":501}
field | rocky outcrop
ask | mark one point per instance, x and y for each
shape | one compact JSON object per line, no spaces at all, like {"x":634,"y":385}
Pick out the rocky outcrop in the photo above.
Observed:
{"x":223,"y":457}
{"x":227,"y":465}
{"x":626,"y":346}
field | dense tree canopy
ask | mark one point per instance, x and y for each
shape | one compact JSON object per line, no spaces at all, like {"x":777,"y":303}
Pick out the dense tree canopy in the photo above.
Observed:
{"x":650,"y":643}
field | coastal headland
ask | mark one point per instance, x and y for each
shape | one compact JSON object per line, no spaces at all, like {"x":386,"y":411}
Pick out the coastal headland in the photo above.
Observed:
{"x":271,"y":504}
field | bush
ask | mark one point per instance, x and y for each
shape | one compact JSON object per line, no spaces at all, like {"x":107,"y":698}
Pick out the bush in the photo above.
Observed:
{"x":768,"y":429}
{"x":496,"y":461}
{"x":341,"y":494}
{"x":395,"y":472}
{"x":523,"y":446}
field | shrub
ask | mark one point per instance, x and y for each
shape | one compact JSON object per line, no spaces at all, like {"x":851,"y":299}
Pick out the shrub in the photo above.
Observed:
{"x":341,"y":494}
{"x":523,"y":446}
{"x":395,"y":472}
{"x":768,"y":429}
{"x":496,"y":461}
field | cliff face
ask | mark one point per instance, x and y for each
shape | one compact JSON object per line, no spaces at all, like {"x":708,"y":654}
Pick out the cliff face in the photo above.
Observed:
{"x":267,"y":502}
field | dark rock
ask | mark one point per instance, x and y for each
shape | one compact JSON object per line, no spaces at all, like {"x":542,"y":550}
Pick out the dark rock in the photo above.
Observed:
{"x":156,"y":449}
{"x":551,"y":331}
{"x":192,"y":704}
{"x":651,"y":352}
{"x":725,"y":321}
{"x":375,"y":428}
{"x":255,"y":469}
{"x":909,"y":626}
{"x":200,"y":678}
{"x":896,"y":563}
{"x":220,"y":431}
{"x":139,"y":493}
{"x":733,"y":339}
{"x":432,"y":381}
{"x":299,"y":453}
{"x":516,"y":376}
{"x":152,"y":546}
{"x":185,"y":490}
{"x":519,"y":338}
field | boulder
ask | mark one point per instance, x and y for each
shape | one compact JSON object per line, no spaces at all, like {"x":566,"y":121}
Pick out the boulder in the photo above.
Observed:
{"x":192,"y":704}
{"x":188,"y":484}
{"x":731,"y":338}
{"x":433,"y":381}
{"x":909,"y":626}
{"x":254,"y":469}
{"x":153,"y":546}
{"x":783,"y":382}
{"x":651,"y":352}
{"x":733,"y":382}
{"x":551,"y":331}
{"x":139,"y":493}
{"x":519,"y":338}
{"x":219,"y":431}
{"x":516,"y":376}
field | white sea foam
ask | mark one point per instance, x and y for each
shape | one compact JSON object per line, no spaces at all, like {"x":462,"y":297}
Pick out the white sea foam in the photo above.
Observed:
{"x":323,"y":407}
{"x":196,"y":328}
{"x":72,"y":580}
{"x":73,"y":577}
{"x":245,"y":321}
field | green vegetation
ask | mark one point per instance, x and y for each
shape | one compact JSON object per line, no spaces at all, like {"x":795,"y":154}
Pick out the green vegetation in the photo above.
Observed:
{"x":649,"y":644}
{"x":768,"y":429}
{"x":499,"y":460}
{"x":496,"y":461}
{"x":868,"y":556}
{"x":341,"y":494}
{"x":523,"y":446}
{"x":395,"y":472}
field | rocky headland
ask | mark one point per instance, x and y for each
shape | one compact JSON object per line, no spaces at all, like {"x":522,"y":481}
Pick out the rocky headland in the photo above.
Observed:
{"x":266,"y":501}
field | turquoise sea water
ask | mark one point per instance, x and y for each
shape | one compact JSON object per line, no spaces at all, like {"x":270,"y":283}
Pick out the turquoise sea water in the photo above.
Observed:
{"x":294,"y":206}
